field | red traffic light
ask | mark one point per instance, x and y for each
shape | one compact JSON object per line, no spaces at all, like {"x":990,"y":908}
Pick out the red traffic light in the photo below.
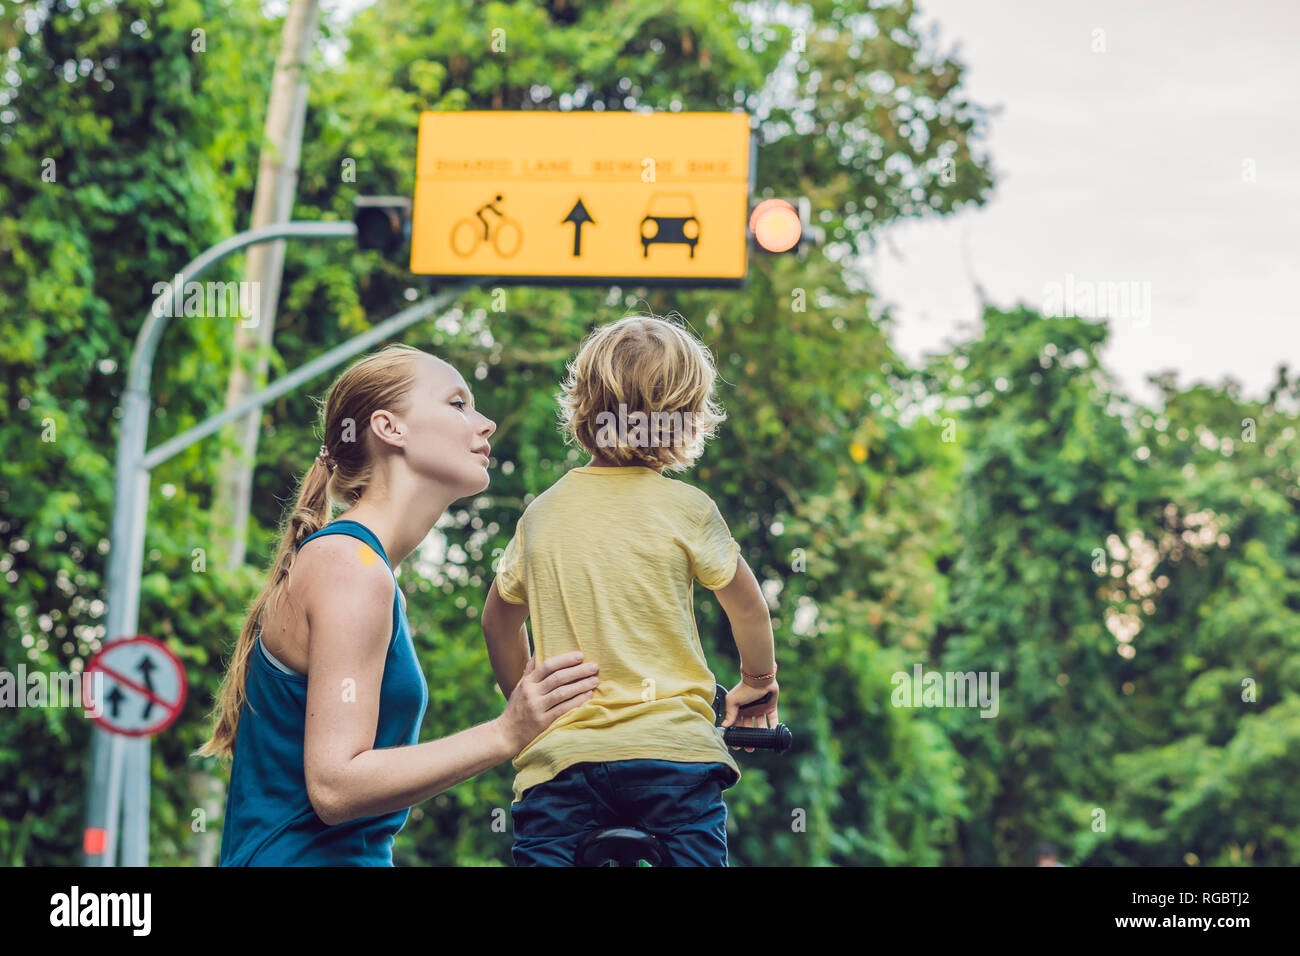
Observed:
{"x":776,"y":225}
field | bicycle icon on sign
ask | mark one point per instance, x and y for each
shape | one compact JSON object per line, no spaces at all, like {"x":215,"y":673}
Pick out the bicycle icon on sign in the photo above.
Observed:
{"x":467,"y":235}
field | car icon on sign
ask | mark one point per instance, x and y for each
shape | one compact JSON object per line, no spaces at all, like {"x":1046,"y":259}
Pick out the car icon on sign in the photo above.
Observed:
{"x":670,"y":219}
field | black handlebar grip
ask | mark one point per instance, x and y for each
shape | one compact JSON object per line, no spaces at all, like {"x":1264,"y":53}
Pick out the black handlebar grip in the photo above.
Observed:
{"x":776,"y":738}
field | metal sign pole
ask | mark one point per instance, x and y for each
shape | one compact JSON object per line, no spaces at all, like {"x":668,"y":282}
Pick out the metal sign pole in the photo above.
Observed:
{"x":135,"y":802}
{"x":124,"y":564}
{"x":119,"y":768}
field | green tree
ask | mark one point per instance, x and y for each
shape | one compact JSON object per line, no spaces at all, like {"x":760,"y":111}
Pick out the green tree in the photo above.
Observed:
{"x":1047,"y":473}
{"x":1211,"y":587}
{"x":1131,"y":575}
{"x":123,"y":152}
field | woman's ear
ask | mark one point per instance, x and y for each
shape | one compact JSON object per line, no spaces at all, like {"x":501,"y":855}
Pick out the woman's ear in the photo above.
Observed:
{"x":384,"y":424}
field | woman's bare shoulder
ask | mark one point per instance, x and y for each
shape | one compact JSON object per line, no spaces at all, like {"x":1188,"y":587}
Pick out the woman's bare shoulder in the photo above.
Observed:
{"x":336,"y":565}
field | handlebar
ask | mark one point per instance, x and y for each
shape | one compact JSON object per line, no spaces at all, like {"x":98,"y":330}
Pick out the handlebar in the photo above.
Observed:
{"x":776,"y":738}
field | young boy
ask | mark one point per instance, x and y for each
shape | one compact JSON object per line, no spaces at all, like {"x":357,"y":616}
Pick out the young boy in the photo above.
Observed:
{"x":603,"y":562}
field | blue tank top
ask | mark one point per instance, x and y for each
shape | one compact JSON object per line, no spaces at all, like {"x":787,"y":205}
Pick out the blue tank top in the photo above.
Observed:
{"x":269,"y":819}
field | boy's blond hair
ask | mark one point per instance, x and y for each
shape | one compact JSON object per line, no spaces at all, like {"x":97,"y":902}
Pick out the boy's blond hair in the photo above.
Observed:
{"x":640,"y":392}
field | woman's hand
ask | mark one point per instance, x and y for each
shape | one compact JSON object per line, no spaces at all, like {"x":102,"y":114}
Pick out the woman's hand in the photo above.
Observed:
{"x":545,"y":693}
{"x":741,"y":707}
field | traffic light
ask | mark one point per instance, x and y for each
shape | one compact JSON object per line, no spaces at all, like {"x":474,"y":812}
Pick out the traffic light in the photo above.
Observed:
{"x":779,"y":225}
{"x":383,"y":223}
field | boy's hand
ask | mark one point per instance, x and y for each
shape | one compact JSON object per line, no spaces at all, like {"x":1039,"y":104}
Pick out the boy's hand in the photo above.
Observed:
{"x":742,"y":695}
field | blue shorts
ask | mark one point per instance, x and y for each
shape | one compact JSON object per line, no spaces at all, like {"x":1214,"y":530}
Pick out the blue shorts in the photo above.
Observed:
{"x":680,"y":803}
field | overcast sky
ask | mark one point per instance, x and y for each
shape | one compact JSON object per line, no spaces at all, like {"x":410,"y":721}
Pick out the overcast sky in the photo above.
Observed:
{"x":1126,"y":166}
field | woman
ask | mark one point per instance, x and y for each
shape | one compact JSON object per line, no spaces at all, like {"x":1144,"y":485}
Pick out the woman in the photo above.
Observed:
{"x":322,"y":702}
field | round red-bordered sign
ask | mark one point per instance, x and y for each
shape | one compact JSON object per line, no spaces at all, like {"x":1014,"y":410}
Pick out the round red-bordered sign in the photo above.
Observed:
{"x":144,"y":686}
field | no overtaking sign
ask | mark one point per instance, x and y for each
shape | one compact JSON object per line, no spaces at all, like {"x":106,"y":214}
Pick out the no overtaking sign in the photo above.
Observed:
{"x":143,"y":687}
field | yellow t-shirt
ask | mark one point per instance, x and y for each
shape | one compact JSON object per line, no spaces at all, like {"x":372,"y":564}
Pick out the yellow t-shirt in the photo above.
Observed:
{"x":605,"y":559}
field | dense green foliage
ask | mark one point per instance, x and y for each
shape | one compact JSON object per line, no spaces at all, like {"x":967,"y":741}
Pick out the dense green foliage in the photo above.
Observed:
{"x":1124,"y":570}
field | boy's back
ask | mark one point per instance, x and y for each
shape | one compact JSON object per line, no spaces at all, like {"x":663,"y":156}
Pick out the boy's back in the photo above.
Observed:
{"x":605,"y":560}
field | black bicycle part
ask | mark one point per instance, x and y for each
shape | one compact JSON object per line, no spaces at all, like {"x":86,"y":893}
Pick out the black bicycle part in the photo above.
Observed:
{"x":620,"y":846}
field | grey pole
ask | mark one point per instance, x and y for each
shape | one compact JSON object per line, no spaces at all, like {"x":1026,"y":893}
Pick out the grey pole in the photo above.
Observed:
{"x":135,"y":801}
{"x":119,"y":767}
{"x":124,"y":563}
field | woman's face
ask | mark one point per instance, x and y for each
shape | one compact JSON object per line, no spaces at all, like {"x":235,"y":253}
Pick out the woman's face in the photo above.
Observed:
{"x":447,"y":437}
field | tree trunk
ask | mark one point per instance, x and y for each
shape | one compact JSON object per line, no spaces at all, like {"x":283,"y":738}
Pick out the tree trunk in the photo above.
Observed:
{"x":277,"y":183}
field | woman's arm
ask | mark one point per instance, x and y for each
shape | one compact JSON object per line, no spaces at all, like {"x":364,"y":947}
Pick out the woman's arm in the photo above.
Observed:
{"x":350,"y":615}
{"x":506,"y":638}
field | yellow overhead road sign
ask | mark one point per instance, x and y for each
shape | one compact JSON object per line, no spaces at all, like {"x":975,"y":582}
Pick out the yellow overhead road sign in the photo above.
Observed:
{"x":583,"y":198}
